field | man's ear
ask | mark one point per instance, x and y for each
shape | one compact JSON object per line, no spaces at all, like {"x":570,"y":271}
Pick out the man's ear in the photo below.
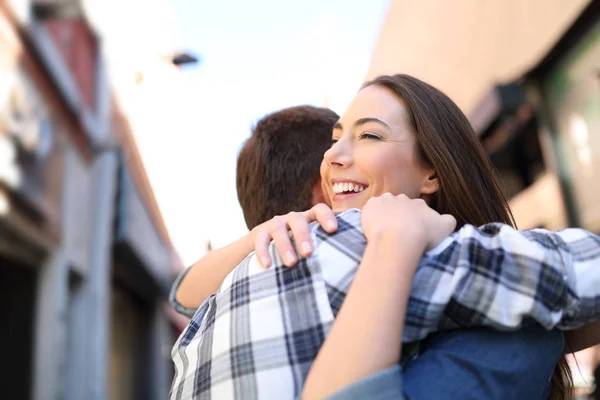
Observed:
{"x":430,"y":184}
{"x":318,"y":193}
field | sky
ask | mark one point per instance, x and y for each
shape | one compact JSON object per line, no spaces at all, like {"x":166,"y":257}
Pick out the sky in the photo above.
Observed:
{"x":255,"y":58}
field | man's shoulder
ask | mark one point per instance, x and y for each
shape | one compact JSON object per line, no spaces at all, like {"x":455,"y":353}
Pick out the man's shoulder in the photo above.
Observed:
{"x":351,"y":216}
{"x":348,"y":221}
{"x":246,"y":269}
{"x":348,"y":240}
{"x":338,"y":255}
{"x":348,"y":236}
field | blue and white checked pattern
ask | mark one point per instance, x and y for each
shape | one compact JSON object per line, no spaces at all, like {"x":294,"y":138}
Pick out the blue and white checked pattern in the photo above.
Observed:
{"x":258,"y":336}
{"x":181,"y":309}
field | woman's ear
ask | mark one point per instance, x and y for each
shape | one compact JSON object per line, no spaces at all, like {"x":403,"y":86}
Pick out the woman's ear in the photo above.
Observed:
{"x":430,"y":184}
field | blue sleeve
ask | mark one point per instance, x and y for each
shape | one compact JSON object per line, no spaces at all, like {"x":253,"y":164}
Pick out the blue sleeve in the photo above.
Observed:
{"x":485,"y":364}
{"x":188,"y":312}
{"x":386,"y":384}
{"x":470,"y":364}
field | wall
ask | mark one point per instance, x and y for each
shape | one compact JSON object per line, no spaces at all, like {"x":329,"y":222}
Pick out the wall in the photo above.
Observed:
{"x":463,"y":46}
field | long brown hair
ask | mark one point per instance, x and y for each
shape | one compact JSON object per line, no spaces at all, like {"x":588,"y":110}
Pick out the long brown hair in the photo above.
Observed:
{"x":468,"y":187}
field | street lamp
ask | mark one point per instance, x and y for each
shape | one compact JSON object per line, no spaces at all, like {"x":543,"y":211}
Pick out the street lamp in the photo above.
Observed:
{"x":180,"y":59}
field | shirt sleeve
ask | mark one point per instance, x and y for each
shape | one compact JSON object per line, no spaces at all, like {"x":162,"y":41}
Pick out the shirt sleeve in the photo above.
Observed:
{"x":385,"y":384}
{"x":188,"y":312}
{"x":472,"y":363}
{"x":479,"y":363}
{"x":500,"y":277}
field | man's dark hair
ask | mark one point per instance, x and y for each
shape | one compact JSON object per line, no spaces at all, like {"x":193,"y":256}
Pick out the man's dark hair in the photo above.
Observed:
{"x":279,"y":164}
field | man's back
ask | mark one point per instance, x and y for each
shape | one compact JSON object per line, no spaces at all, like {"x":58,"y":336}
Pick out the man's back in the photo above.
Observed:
{"x":268,"y":323}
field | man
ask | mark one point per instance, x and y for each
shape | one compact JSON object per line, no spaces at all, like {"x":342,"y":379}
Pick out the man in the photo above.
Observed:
{"x":259,"y":335}
{"x":234,"y":368}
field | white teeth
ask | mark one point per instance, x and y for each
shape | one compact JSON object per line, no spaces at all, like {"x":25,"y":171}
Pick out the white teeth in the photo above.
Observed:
{"x":341,"y":187}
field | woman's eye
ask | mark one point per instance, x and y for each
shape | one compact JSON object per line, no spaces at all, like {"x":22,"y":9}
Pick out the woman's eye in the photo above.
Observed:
{"x":368,"y":135}
{"x":334,"y":141}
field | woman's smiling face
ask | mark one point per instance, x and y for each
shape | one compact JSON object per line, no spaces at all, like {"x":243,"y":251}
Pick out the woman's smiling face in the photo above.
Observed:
{"x":374,"y":151}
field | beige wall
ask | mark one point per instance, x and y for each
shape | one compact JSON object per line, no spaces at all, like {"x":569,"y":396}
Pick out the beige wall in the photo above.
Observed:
{"x":540,"y":205}
{"x":464,"y":46}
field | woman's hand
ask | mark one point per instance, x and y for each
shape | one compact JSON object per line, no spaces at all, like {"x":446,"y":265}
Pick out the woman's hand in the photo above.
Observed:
{"x":412,"y":218}
{"x":278,"y":228}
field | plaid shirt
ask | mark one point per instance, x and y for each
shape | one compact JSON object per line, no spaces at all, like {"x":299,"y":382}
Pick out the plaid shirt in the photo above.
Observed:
{"x":258,"y":336}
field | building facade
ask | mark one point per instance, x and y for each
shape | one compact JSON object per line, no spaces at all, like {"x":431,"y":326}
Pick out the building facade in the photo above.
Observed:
{"x":527,"y":75}
{"x":85,"y":258}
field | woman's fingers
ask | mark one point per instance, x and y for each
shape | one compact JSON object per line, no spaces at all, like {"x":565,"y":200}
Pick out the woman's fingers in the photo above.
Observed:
{"x":449,"y":222}
{"x":298,"y":223}
{"x":324,"y":216}
{"x":261,"y":246}
{"x":278,"y":228}
{"x":277,"y":231}
{"x":440,"y":228}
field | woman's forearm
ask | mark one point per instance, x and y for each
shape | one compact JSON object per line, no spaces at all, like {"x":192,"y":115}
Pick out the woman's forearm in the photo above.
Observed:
{"x":207,"y":274}
{"x":367,"y":334}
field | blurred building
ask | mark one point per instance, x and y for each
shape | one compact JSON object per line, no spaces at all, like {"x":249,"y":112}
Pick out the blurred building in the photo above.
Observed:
{"x":528,"y":76}
{"x":85,"y":258}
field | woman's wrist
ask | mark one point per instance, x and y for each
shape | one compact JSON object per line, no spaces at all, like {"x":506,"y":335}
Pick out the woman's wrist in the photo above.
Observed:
{"x":398,"y":239}
{"x":398,"y":254}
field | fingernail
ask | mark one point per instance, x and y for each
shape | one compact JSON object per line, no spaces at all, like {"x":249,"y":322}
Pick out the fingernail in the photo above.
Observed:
{"x":289,"y":256}
{"x":330,"y":224}
{"x":306,"y":248}
{"x":265,"y":262}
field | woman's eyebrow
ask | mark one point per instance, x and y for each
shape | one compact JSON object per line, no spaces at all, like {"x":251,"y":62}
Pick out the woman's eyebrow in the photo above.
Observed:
{"x":363,"y":121}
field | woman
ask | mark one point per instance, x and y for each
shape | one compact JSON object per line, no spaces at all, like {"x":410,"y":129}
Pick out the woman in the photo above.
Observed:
{"x":399,"y":136}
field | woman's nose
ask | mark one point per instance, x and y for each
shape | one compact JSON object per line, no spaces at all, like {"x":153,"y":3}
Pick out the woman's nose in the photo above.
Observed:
{"x":339,"y":155}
